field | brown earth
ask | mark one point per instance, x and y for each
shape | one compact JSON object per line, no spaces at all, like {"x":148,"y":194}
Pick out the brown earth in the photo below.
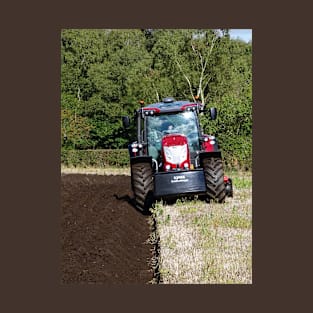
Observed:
{"x":103,"y":237}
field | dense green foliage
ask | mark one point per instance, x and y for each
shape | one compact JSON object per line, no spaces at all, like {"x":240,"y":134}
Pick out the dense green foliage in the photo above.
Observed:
{"x":104,"y":74}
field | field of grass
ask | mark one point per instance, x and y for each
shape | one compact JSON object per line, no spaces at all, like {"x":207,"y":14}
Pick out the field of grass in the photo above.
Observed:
{"x":203,"y":243}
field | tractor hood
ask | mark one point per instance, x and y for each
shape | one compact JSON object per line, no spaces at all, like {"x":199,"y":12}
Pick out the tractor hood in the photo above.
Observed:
{"x":175,"y":152}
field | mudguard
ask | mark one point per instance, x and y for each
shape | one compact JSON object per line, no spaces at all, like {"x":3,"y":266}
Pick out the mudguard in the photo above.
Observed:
{"x":212,"y":154}
{"x":141,"y":159}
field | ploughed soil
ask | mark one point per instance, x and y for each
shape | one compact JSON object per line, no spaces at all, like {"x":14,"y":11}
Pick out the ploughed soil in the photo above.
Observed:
{"x":103,"y":237}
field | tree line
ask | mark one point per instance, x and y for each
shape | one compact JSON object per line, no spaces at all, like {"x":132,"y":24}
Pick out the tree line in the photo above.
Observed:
{"x":106,"y":72}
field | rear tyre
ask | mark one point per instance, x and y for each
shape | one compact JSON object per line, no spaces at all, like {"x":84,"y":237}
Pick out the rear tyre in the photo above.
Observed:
{"x":214,"y":178}
{"x":142,"y":184}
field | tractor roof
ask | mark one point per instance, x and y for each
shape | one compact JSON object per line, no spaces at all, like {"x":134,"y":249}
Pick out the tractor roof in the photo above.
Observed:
{"x":169,"y":105}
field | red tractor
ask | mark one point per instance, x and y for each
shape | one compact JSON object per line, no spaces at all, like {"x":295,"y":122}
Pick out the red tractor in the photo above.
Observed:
{"x":172,"y":157}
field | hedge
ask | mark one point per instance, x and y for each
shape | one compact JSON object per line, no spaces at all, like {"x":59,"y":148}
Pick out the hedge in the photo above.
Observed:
{"x":95,"y":158}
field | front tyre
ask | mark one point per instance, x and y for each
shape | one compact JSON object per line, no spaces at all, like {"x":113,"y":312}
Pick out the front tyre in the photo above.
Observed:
{"x":214,"y":179}
{"x":142,"y":184}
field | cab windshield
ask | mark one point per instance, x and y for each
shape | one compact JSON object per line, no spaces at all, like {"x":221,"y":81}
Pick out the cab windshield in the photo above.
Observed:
{"x":179,"y":123}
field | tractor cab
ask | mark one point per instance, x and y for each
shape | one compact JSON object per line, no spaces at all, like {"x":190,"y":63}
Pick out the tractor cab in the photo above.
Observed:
{"x":165,"y":129}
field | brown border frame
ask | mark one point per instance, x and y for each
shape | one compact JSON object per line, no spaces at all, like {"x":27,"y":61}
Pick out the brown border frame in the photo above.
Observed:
{"x":31,"y":175}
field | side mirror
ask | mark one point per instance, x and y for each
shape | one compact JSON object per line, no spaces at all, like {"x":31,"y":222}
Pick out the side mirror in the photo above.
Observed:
{"x":213,"y":113}
{"x":126,"y":122}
